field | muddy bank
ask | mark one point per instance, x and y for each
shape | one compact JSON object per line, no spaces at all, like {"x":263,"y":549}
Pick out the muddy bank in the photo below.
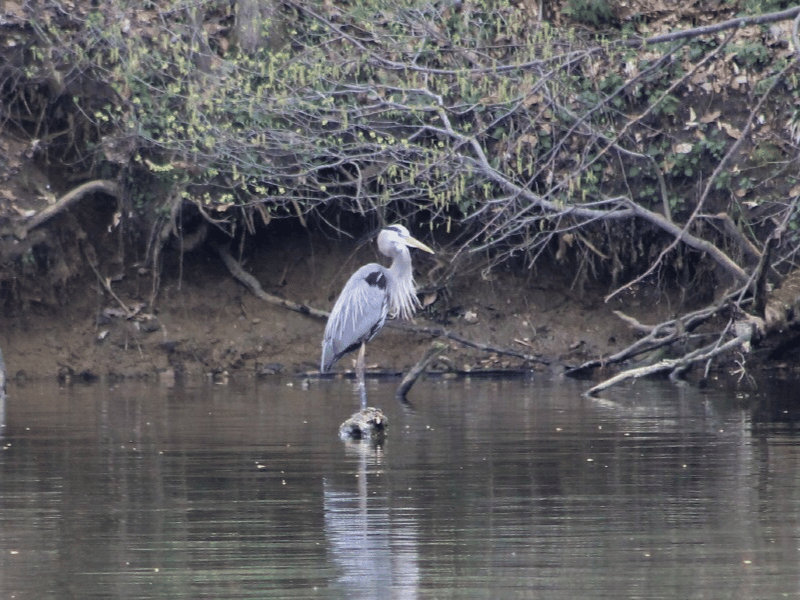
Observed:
{"x":206,"y":322}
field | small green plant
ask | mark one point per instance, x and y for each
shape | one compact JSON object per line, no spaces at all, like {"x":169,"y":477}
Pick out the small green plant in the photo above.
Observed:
{"x":590,"y":12}
{"x":702,"y":156}
{"x":761,"y":7}
{"x":751,"y":54}
{"x":668,"y":105}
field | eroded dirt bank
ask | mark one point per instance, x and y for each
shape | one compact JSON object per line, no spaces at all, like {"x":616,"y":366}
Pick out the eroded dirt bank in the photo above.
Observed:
{"x":205,"y":322}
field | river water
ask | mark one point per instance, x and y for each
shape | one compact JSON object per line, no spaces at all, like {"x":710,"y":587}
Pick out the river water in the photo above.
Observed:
{"x":482,"y":489}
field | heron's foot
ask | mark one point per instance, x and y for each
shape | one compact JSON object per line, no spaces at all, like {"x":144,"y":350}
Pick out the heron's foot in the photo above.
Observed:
{"x":368,"y":423}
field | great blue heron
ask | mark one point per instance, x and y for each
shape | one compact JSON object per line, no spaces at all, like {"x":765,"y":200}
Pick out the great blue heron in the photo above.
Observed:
{"x":370,"y":295}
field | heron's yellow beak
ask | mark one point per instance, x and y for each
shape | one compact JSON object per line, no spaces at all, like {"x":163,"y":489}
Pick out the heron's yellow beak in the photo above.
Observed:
{"x":410,"y":241}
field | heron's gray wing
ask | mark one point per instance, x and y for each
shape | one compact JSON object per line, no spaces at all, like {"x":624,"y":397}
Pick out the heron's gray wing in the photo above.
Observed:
{"x":359,"y":313}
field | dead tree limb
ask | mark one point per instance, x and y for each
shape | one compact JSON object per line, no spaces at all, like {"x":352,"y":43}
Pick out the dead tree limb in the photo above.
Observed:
{"x":624,"y":208}
{"x":252,"y":284}
{"x":98,"y":185}
{"x":729,"y":228}
{"x":681,"y":234}
{"x":441,"y":332}
{"x":675,"y":364}
{"x":434,"y":350}
{"x":795,"y":38}
{"x":784,"y":15}
{"x":657,"y":336}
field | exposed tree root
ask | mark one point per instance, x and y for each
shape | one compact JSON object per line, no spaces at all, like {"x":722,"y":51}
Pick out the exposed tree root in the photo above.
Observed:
{"x":105,"y":283}
{"x":22,"y":236}
{"x":98,"y":185}
{"x":159,"y":236}
{"x":254,"y":286}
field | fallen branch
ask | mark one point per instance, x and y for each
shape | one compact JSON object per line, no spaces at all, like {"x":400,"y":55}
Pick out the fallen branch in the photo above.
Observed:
{"x":434,"y":350}
{"x":657,"y":336}
{"x":441,"y":332}
{"x":675,"y":364}
{"x":252,"y":284}
{"x":646,"y":344}
{"x":636,"y":324}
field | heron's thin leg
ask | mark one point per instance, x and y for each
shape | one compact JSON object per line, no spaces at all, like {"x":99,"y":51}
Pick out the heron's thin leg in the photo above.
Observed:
{"x":362,"y":387}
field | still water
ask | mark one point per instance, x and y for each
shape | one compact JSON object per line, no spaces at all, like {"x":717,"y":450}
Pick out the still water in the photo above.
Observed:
{"x":483,"y":489}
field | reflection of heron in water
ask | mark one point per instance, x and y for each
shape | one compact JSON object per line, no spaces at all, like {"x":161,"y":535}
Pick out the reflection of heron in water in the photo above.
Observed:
{"x":2,"y":393}
{"x":372,"y":541}
{"x":370,"y":295}
{"x":2,"y":375}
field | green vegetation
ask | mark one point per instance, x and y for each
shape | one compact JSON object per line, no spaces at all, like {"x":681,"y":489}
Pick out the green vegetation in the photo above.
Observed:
{"x":479,"y":113}
{"x":591,"y":12}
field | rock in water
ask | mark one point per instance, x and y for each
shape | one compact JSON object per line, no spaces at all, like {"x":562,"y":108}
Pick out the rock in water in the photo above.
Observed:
{"x":368,"y":423}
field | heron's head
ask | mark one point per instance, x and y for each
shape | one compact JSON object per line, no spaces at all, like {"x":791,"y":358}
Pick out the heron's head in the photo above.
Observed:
{"x":394,"y":237}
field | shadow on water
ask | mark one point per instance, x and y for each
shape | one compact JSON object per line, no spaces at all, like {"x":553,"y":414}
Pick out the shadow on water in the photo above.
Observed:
{"x":776,"y":410}
{"x":486,"y":488}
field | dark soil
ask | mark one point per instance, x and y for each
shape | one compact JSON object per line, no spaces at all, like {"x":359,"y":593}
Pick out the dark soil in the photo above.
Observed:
{"x":205,"y":322}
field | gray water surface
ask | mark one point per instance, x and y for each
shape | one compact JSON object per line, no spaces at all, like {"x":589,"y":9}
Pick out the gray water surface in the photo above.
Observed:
{"x":486,"y":489}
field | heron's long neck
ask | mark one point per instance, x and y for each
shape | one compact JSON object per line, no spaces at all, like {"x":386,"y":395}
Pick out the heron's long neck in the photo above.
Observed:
{"x":403,"y":300}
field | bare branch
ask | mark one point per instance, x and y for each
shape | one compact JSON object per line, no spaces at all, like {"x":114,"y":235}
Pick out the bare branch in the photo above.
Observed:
{"x":784,"y":15}
{"x":795,"y":39}
{"x":673,"y":364}
{"x":679,"y":233}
